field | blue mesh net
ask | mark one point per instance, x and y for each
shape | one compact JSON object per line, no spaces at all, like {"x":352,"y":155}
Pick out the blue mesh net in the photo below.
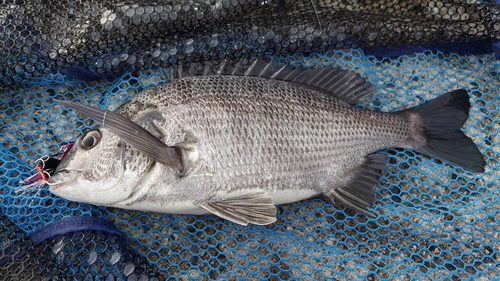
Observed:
{"x":436,"y":220}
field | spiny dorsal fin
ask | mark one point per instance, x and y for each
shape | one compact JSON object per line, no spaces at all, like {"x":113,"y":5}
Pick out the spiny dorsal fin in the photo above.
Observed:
{"x":358,"y":193}
{"x":345,"y":85}
{"x":255,"y":207}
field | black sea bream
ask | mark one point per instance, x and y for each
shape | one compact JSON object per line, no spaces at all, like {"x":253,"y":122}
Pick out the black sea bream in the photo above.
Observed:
{"x":236,"y":146}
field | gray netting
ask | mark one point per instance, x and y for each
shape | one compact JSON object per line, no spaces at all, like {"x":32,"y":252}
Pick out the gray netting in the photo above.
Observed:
{"x":436,"y":220}
{"x":89,"y":39}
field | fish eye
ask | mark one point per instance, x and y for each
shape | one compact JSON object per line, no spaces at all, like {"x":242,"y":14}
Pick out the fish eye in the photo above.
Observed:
{"x":90,"y":139}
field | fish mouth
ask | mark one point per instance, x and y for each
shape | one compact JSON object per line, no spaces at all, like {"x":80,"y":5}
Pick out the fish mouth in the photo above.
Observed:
{"x":62,"y":178}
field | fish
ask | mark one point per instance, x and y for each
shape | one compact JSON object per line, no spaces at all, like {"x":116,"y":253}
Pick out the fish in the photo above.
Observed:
{"x":236,"y":142}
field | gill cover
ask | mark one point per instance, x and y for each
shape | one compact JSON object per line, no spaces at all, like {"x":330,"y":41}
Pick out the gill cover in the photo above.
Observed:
{"x":133,"y":134}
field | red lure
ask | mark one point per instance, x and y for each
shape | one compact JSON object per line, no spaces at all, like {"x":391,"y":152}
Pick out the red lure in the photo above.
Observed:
{"x":45,"y":167}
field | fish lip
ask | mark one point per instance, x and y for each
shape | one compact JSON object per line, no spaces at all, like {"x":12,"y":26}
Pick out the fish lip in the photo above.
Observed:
{"x":61,"y":178}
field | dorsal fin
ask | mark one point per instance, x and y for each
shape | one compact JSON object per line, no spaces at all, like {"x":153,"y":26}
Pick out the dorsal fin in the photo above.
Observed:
{"x":345,"y":85}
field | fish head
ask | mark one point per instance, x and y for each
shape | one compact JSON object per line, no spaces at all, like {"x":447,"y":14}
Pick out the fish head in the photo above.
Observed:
{"x":94,"y":170}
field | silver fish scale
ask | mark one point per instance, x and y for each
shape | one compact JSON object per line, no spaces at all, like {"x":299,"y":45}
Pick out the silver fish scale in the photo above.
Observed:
{"x":291,"y":137}
{"x":98,"y":168}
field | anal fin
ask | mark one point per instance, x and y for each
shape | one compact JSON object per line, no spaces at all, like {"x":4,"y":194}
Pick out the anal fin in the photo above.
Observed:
{"x":358,"y":193}
{"x":255,"y":207}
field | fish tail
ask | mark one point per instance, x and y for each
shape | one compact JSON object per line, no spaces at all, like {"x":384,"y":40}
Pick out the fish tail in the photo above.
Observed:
{"x":438,"y":123}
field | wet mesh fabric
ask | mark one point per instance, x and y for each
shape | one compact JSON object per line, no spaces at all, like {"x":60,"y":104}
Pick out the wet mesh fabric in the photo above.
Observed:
{"x":436,"y":221}
{"x":92,"y":39}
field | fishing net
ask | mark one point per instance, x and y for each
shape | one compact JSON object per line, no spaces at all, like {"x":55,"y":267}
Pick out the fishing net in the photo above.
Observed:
{"x":435,"y":220}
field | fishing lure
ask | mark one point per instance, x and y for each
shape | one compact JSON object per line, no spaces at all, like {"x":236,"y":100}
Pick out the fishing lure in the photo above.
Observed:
{"x":45,"y":167}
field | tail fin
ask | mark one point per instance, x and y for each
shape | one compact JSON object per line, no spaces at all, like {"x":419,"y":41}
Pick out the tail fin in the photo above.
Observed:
{"x":441,"y":120}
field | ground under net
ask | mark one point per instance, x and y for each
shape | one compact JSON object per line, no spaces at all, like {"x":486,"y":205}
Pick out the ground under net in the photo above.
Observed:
{"x":435,"y":220}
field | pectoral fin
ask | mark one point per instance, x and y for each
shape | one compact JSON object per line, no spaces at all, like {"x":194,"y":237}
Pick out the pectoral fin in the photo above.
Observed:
{"x":358,"y":193}
{"x":255,"y":207}
{"x":133,"y":134}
